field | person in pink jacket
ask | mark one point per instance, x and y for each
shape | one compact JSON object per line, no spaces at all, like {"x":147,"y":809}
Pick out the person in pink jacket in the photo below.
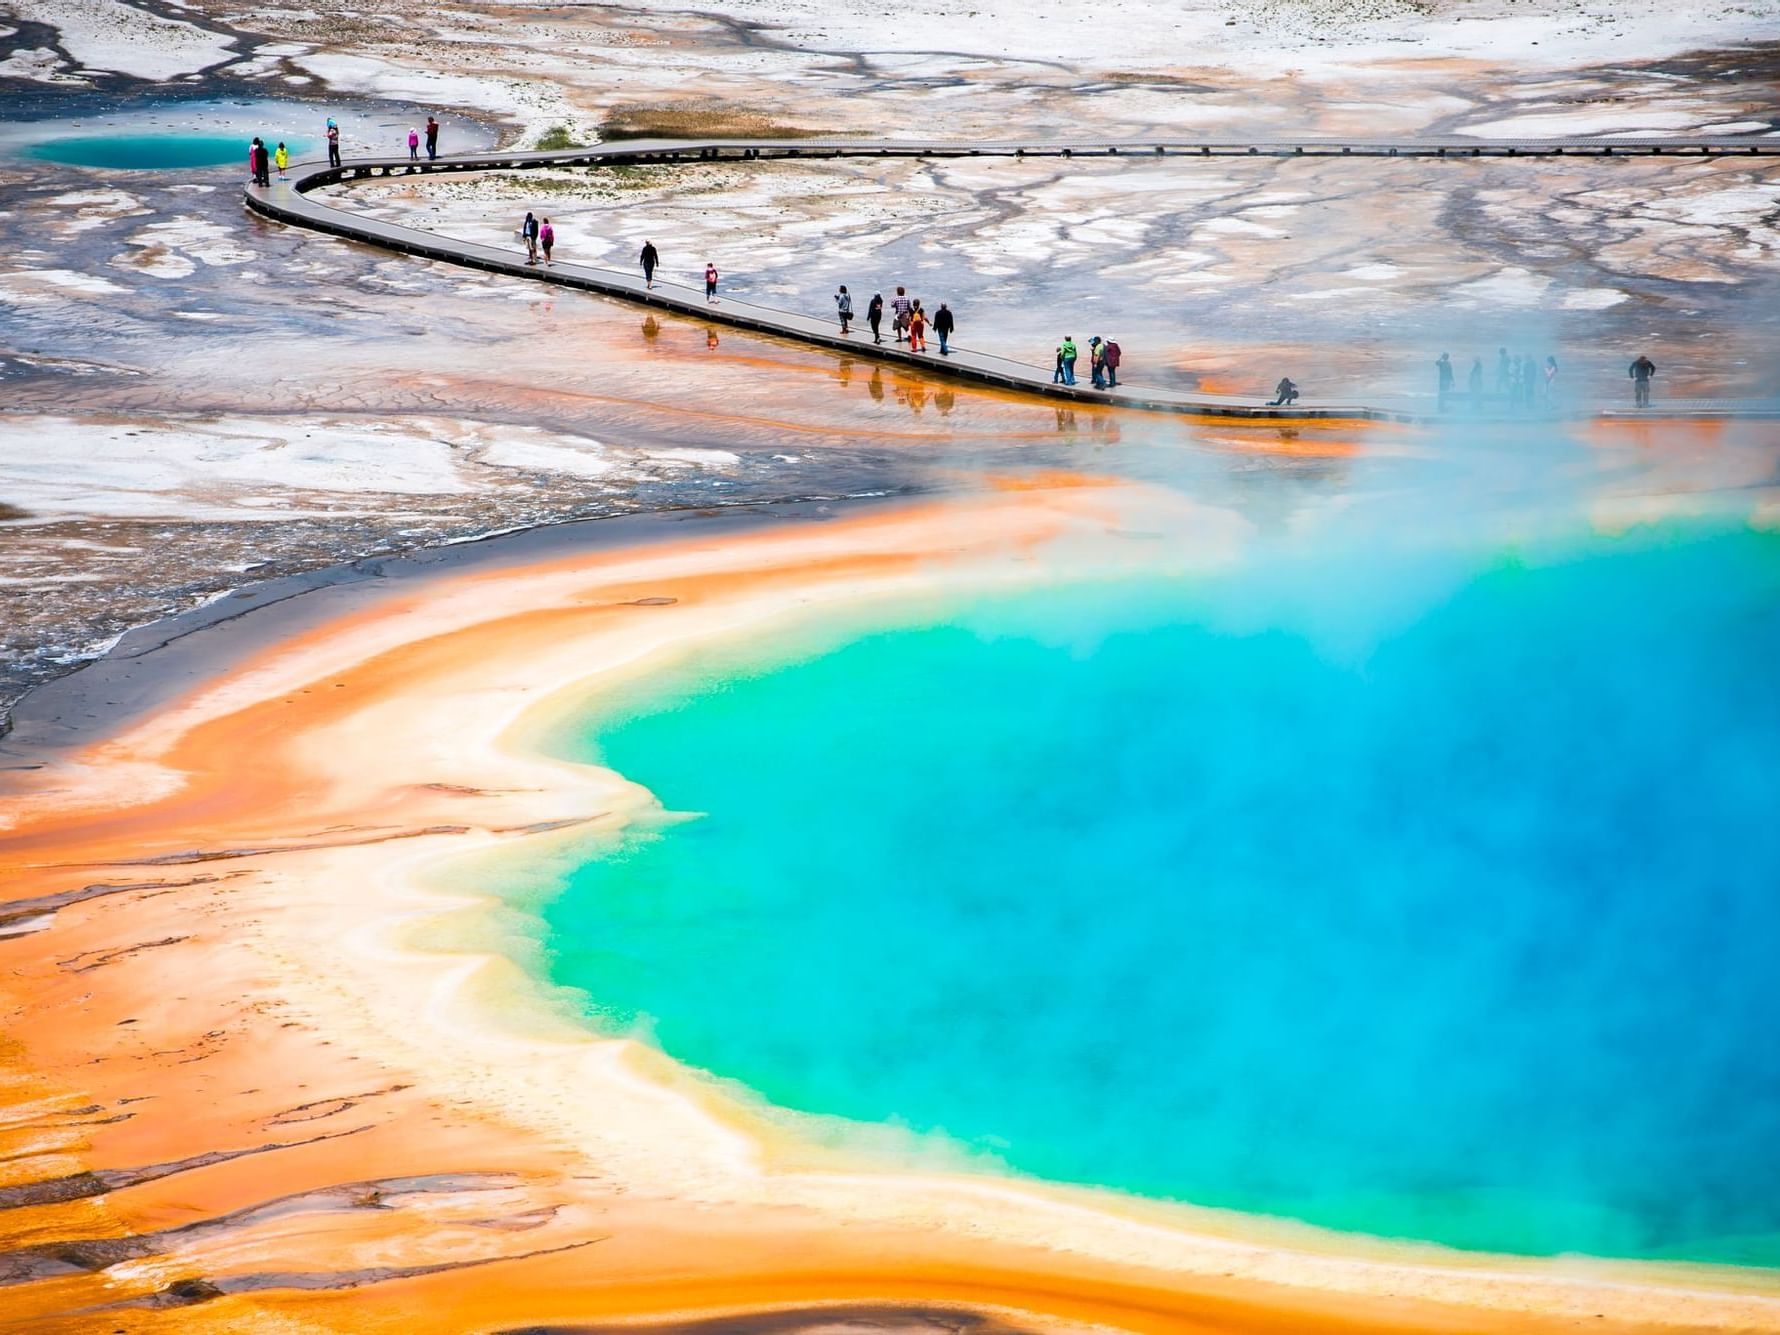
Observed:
{"x":414,"y":145}
{"x":546,"y":238}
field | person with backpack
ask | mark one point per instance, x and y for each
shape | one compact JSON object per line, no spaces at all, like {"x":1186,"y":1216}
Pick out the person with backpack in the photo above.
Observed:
{"x":1112,"y":364}
{"x":899,"y":306}
{"x":710,"y":282}
{"x":943,"y":324}
{"x":546,"y":239}
{"x":528,"y":233}
{"x":1285,"y":393}
{"x":1641,"y":371}
{"x":843,"y":303}
{"x":917,"y":328}
{"x":333,"y":143}
{"x":1097,"y":362}
{"x":874,"y":316}
{"x":649,"y":258}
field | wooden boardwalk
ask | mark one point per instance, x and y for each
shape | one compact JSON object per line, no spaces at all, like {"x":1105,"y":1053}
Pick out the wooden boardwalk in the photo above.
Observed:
{"x":288,"y":201}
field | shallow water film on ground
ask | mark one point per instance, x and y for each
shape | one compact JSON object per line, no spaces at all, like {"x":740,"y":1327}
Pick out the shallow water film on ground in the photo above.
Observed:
{"x":542,"y":796}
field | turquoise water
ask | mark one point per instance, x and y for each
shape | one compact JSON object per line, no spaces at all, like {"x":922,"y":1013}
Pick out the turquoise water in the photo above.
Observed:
{"x":143,"y":152}
{"x":1457,"y":923}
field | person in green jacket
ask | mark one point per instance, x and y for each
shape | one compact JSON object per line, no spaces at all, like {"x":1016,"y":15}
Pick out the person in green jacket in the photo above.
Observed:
{"x":1068,"y":353}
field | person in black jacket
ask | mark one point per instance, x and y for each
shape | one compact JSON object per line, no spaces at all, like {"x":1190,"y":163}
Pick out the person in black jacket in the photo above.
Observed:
{"x":650,"y":259}
{"x":874,"y":316}
{"x":1640,"y":372}
{"x":943,"y":324}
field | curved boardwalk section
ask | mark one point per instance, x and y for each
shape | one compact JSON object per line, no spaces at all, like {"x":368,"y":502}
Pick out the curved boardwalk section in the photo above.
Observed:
{"x":288,"y":201}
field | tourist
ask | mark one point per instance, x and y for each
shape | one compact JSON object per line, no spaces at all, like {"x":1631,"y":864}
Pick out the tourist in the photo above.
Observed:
{"x":432,"y":138}
{"x":917,"y":328}
{"x":1112,"y":358}
{"x":546,"y":238}
{"x":1474,"y":383}
{"x":1069,"y":356}
{"x":943,"y":324}
{"x":1443,"y":378}
{"x":528,"y":233}
{"x":1551,"y":375}
{"x":1097,"y":362}
{"x":260,"y":161}
{"x":413,"y":144}
{"x":281,"y":160}
{"x":1529,"y":382}
{"x":1504,"y":372}
{"x":333,"y":143}
{"x":1057,"y":375}
{"x":649,"y":259}
{"x":843,"y":303}
{"x":899,"y":306}
{"x":1640,"y":372}
{"x":874,"y":316}
{"x":1285,"y":393}
{"x":710,"y":282}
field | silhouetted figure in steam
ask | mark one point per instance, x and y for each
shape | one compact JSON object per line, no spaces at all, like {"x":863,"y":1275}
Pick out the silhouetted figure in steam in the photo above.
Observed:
{"x":1285,"y":393}
{"x":1443,"y":378}
{"x":1640,"y":372}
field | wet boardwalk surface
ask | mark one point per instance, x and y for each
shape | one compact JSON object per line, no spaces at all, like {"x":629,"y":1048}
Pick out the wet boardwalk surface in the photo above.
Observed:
{"x":288,"y":201}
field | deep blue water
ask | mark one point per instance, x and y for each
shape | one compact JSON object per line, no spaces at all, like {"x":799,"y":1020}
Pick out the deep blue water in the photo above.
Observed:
{"x":144,"y":152}
{"x":1459,"y":924}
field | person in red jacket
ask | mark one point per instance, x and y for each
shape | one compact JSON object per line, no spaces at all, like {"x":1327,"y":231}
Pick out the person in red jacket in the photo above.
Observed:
{"x":710,"y":282}
{"x":1112,"y":364}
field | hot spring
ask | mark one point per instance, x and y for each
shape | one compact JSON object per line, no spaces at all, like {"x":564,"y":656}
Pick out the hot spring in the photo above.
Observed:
{"x":1459,"y":929}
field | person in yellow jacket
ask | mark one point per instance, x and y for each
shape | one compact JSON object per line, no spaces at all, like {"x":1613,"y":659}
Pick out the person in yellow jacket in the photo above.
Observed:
{"x":282,"y":160}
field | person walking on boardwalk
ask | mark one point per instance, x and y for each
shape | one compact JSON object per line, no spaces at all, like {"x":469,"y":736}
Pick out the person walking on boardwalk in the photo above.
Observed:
{"x":1551,"y":375}
{"x":843,"y":305}
{"x":649,"y":258}
{"x":1057,"y":375}
{"x":1443,"y":378}
{"x":899,"y":307}
{"x":260,"y":162}
{"x":874,"y":316}
{"x":528,"y":233}
{"x":1504,"y":372}
{"x":917,"y":328}
{"x":1111,"y":359}
{"x":1097,"y":362}
{"x":333,"y":143}
{"x":1474,"y":383}
{"x":413,"y":144}
{"x":281,"y":160}
{"x":943,"y":325}
{"x":1068,"y":352}
{"x":1285,"y":393}
{"x":710,"y":282}
{"x":432,"y":138}
{"x":1529,"y":382}
{"x":1640,"y":372}
{"x":546,"y":239}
